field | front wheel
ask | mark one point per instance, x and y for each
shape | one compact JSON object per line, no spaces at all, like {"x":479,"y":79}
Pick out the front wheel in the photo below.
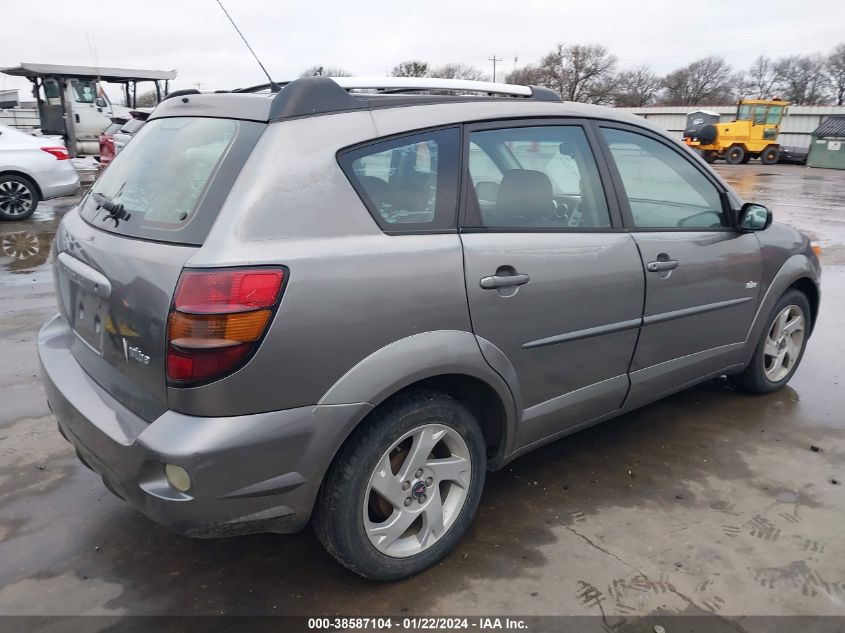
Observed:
{"x":781,"y":346}
{"x":404,"y":488}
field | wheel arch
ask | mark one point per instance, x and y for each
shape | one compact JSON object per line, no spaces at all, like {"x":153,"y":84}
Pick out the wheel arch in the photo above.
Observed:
{"x":811,"y":291}
{"x":21,"y":174}
{"x":797,"y":272}
{"x":447,"y":361}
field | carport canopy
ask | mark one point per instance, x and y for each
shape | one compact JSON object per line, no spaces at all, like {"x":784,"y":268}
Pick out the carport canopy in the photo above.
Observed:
{"x":89,"y":72}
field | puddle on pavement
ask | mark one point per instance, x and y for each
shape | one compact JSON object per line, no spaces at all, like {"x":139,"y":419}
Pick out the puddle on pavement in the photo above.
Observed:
{"x":25,"y":244}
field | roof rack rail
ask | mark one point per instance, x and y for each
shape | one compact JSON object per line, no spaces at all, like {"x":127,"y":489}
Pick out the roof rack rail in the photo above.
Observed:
{"x":321,"y":95}
{"x":180,"y":93}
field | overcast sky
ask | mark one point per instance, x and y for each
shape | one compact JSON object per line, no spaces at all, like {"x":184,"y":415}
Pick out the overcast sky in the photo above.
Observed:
{"x":368,"y":38}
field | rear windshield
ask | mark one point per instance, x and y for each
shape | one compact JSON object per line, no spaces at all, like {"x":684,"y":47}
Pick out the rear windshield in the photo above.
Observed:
{"x":172,"y":179}
{"x":110,"y":130}
{"x":132,"y":126}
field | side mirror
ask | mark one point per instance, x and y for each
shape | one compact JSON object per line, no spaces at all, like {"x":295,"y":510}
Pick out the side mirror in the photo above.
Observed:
{"x":754,"y":217}
{"x":101,"y":103}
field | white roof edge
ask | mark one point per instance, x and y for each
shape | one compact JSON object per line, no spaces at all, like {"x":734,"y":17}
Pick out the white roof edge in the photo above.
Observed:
{"x":429,"y":83}
{"x":710,"y":112}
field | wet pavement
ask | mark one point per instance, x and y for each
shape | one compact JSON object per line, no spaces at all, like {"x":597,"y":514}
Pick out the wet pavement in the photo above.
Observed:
{"x":711,"y":501}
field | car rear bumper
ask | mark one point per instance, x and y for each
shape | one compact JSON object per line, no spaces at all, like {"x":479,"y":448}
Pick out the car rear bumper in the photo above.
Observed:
{"x":62,"y":180}
{"x":252,"y":473}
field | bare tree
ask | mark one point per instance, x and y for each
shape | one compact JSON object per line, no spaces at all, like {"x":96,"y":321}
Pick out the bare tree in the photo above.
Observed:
{"x":410,"y":68}
{"x":636,"y":87}
{"x":325,"y":71}
{"x":146,"y":99}
{"x":579,"y":72}
{"x":527,"y":76}
{"x":459,"y":71}
{"x":835,"y":69}
{"x":761,"y":78}
{"x":802,"y":79}
{"x":709,"y":80}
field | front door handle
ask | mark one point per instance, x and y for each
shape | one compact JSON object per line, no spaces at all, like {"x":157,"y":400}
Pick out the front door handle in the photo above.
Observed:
{"x":502,"y":281}
{"x":660,"y":266}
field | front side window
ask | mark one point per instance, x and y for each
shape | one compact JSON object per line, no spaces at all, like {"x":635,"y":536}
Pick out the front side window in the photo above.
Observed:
{"x":664,"y":189}
{"x":774,"y":115}
{"x":535,"y":177}
{"x":743,"y":113}
{"x":83,"y":91}
{"x":409,"y":183}
{"x":759,"y":115}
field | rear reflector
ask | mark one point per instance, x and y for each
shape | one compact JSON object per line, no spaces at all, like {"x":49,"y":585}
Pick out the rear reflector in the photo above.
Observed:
{"x":217,"y":320}
{"x":59,"y":152}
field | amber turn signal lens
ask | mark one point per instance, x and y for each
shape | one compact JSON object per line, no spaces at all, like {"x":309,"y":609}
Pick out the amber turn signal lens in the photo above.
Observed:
{"x":817,"y":248}
{"x":216,"y":330}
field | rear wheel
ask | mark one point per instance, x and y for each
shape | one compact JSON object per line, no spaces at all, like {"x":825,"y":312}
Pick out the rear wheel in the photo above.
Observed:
{"x":404,"y":488}
{"x":18,"y":197}
{"x":781,"y":346}
{"x":709,"y":156}
{"x":735,"y":155}
{"x":770,"y":155}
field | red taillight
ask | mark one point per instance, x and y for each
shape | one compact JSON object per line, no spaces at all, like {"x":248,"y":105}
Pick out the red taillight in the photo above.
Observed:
{"x":60,"y":153}
{"x":217,"y":319}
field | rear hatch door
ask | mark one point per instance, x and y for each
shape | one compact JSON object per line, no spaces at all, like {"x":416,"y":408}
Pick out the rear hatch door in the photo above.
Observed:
{"x":120,"y":253}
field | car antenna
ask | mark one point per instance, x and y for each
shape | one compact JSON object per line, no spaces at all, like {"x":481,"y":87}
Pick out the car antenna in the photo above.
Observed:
{"x":273,"y":85}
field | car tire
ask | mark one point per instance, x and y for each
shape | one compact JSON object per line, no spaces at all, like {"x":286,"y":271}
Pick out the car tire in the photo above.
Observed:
{"x":770,"y":155}
{"x":709,"y":156}
{"x":775,"y":358}
{"x":734,"y":155}
{"x":361,"y":528}
{"x":18,"y":197}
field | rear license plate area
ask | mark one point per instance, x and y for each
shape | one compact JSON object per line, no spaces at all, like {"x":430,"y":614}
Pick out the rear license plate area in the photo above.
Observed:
{"x":85,"y":298}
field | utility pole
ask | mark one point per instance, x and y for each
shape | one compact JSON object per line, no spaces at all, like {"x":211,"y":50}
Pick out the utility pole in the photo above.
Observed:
{"x":494,"y":59}
{"x":198,"y":85}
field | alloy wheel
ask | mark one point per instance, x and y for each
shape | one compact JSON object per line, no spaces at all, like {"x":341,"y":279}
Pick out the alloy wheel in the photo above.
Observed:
{"x":15,"y":197}
{"x":783,"y":343}
{"x":417,"y":490}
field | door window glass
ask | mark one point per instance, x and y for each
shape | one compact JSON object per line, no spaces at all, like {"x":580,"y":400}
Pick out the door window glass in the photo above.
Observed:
{"x":535,"y":177}
{"x":774,"y":115}
{"x":52,"y":92}
{"x":759,"y":115}
{"x":409,"y":183}
{"x":664,"y":189}
{"x":84,"y":91}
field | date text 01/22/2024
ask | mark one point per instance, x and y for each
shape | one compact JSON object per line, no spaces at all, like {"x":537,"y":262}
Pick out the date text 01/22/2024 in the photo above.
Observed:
{"x":417,"y":623}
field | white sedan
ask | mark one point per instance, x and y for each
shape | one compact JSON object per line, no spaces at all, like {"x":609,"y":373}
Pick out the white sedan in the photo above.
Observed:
{"x":31,"y":169}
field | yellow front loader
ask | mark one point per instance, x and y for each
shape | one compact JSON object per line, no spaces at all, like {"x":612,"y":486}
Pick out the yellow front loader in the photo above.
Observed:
{"x":753,"y":134}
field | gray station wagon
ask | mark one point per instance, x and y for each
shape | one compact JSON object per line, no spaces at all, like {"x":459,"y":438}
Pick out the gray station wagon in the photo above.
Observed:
{"x":343,"y":301}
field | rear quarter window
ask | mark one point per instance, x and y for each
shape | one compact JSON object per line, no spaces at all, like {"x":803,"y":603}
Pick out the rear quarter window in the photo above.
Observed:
{"x":410,"y":183}
{"x":172,"y":178}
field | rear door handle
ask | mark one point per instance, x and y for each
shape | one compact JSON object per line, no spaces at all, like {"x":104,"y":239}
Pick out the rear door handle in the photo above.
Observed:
{"x":656,"y":267}
{"x":503,"y":281}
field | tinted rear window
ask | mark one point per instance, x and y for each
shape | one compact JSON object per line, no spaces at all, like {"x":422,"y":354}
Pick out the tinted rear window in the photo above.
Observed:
{"x":110,"y":130}
{"x":133,"y":125}
{"x":173,"y":177}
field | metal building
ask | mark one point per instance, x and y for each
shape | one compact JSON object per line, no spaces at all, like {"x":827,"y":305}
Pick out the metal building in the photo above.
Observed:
{"x":828,"y":147}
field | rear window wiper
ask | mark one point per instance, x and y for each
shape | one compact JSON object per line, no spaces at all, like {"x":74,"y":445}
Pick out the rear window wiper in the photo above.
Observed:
{"x":116,"y":211}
